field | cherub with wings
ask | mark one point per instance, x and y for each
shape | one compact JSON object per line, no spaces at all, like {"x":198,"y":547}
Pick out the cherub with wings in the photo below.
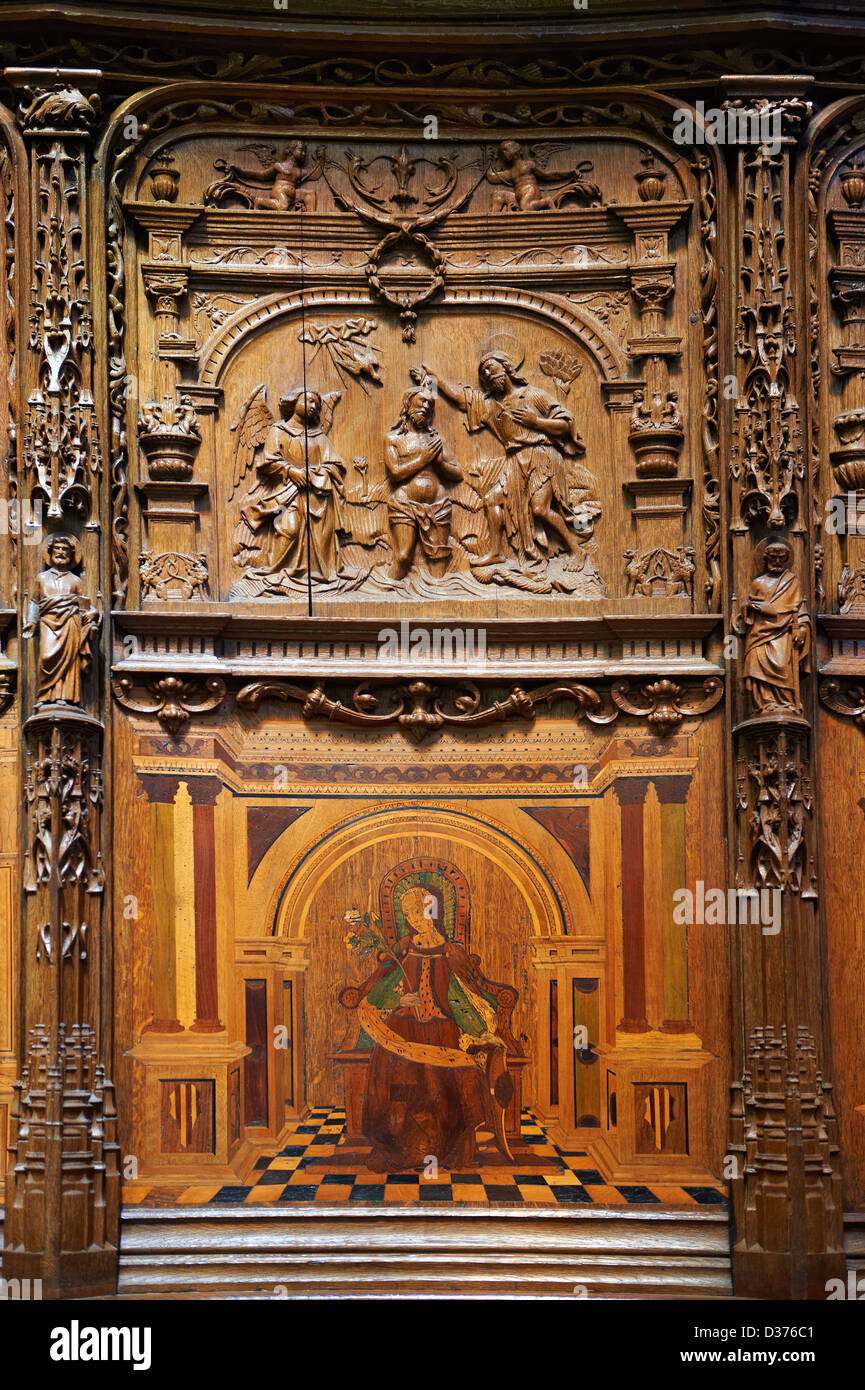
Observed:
{"x":290,"y":517}
{"x":276,"y":186}
{"x":521,"y":176}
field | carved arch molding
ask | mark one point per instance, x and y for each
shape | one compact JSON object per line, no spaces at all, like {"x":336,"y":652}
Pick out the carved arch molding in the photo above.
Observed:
{"x":421,"y":415}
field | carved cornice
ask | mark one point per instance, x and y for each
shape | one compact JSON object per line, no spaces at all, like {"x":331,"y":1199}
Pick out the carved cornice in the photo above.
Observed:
{"x":547,"y":53}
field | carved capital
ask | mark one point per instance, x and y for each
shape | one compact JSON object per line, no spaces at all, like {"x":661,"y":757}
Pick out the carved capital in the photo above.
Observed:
{"x":57,"y":101}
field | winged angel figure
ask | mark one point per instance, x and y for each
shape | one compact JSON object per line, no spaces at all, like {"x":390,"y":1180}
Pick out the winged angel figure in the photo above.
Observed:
{"x":289,"y":519}
{"x":520,"y":178}
{"x":275,"y":185}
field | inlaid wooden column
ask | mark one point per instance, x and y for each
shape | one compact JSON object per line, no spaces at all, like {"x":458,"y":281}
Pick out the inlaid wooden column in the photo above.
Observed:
{"x":672,"y":793}
{"x":161,"y":791}
{"x":631,"y":794}
{"x":785,"y":1191}
{"x":203,"y":792}
{"x":63,"y":1184}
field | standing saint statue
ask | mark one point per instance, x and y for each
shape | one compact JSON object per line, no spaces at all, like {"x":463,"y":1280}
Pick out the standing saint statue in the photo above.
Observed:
{"x":419,"y":465}
{"x":778,"y":633}
{"x":66,"y":621}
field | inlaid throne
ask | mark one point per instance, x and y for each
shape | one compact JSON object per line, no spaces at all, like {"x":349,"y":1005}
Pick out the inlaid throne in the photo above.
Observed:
{"x":355,"y":1050}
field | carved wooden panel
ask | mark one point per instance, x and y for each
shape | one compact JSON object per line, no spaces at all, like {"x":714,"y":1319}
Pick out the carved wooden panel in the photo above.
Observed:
{"x":447,"y":489}
{"x":470,"y":353}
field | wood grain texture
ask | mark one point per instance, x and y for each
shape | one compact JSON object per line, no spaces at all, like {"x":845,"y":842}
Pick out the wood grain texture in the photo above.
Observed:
{"x":382,"y":468}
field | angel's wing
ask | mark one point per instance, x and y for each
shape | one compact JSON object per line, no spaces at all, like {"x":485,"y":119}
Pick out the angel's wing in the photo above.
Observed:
{"x":249,"y":430}
{"x":543,"y":151}
{"x":329,"y":402}
{"x":265,"y":154}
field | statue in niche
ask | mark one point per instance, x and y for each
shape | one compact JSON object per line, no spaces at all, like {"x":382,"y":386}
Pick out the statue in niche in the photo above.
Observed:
{"x":531,"y":490}
{"x":419,"y":466}
{"x":521,"y":175}
{"x":275,"y":186}
{"x":66,"y":621}
{"x":290,"y":518}
{"x":778,"y":633}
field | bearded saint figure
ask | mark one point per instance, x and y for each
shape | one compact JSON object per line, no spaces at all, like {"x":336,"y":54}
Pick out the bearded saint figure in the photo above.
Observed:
{"x":66,"y":621}
{"x":539,"y":439}
{"x":778,"y":633}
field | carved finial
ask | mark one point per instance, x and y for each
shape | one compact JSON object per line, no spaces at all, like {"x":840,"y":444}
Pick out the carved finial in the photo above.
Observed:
{"x":164,"y":179}
{"x":650,"y":179}
{"x":852,"y":180}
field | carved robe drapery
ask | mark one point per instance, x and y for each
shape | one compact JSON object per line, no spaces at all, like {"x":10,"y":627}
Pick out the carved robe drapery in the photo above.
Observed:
{"x":64,"y":635}
{"x":776,"y":609}
{"x":295,"y":457}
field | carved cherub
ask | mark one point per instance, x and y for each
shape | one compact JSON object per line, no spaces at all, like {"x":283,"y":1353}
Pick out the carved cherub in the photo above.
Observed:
{"x":187,"y":418}
{"x":521,"y":176}
{"x":275,"y":186}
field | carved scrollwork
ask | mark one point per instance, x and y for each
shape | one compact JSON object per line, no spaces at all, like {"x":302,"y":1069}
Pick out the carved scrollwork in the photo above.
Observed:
{"x":663,"y":702}
{"x":173,"y":701}
{"x":417,"y":708}
{"x":845,"y":698}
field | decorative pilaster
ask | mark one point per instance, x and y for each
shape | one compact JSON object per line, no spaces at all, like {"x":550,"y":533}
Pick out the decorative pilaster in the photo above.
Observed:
{"x":787,"y":1238}
{"x":672,"y":793}
{"x":631,"y":794}
{"x":63,"y":1184}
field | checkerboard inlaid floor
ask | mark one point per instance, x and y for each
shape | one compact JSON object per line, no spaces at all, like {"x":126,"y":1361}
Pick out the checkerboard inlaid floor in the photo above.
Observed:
{"x":299,"y":1173}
